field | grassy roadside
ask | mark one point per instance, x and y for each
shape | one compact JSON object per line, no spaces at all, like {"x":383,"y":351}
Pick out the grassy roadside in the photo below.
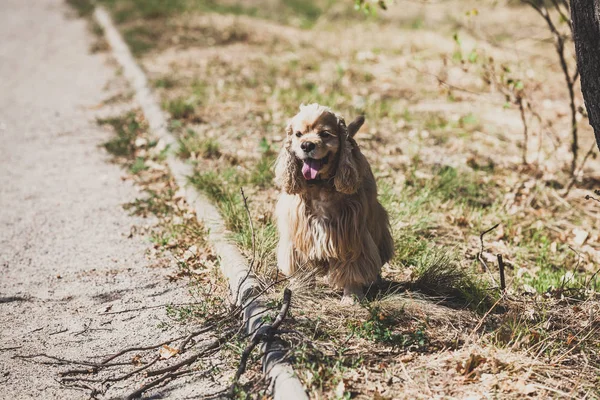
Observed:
{"x":179,"y":243}
{"x":440,"y":308}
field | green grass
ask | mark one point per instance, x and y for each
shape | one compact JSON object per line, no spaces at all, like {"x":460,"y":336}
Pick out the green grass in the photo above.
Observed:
{"x":138,"y":165}
{"x":299,"y":12}
{"x":321,"y":372}
{"x":439,"y":274}
{"x":128,"y":10}
{"x":165,"y":83}
{"x":307,"y":10}
{"x":127,"y":129}
{"x":461,"y":187}
{"x":190,"y":143}
{"x":562,"y":281}
{"x":181,"y":108}
{"x":382,"y":326}
{"x":83,"y":7}
{"x":141,"y":39}
{"x":224,"y":190}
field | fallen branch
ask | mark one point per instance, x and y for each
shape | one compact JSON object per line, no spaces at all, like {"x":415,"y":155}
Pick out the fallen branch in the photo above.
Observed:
{"x":265,"y":333}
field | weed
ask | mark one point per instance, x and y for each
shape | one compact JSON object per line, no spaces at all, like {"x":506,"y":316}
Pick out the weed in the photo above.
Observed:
{"x":191,"y":144}
{"x":140,"y":39}
{"x":437,"y":274}
{"x":180,"y":108}
{"x":307,"y":10}
{"x":165,"y":83}
{"x":322,"y":372}
{"x":561,"y":281}
{"x":84,"y":8}
{"x":128,"y":10}
{"x":460,"y":187}
{"x":127,"y":129}
{"x":381,"y":327}
{"x":223,"y":189}
{"x":138,"y":165}
{"x":262,"y":175}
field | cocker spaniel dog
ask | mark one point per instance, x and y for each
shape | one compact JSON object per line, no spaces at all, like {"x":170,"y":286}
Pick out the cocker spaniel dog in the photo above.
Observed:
{"x":328,"y":215}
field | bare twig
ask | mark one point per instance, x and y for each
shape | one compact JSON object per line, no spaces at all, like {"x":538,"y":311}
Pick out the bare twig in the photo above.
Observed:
{"x":143,"y":348}
{"x":253,"y":260}
{"x":245,"y":199}
{"x":170,"y":376}
{"x":10,"y":348}
{"x":576,"y":174}
{"x":525,"y":128}
{"x":214,"y":344}
{"x":480,"y":254}
{"x":570,"y":79}
{"x":147,"y":308}
{"x":502,"y":278}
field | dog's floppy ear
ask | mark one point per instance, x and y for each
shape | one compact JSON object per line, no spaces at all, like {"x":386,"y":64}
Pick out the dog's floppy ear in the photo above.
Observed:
{"x":287,"y":168}
{"x":347,"y":176}
{"x":355,"y":125}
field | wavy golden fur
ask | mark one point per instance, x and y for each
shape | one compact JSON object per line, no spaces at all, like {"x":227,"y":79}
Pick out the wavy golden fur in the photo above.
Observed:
{"x":328,"y":215}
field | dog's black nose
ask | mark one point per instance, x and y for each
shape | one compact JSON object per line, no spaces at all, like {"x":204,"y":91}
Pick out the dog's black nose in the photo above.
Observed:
{"x":308,"y":146}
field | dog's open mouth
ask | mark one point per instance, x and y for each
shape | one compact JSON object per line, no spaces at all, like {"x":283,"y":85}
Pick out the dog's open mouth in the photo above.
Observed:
{"x":311,"y":167}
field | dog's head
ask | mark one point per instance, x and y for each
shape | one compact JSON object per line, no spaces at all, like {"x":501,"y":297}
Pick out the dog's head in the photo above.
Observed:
{"x":319,"y":146}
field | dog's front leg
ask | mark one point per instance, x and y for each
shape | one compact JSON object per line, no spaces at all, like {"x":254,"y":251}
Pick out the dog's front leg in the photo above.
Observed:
{"x":286,"y":260}
{"x":354,"y":275}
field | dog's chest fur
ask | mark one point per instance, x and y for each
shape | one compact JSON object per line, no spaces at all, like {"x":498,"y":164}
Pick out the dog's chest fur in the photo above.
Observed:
{"x":321,"y":205}
{"x":319,"y":228}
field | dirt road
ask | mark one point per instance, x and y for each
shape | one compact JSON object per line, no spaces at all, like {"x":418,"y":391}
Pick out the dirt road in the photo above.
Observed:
{"x":67,"y":263}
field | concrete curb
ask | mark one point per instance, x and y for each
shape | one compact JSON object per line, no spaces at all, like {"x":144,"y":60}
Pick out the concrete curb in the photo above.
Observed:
{"x":242,"y":285}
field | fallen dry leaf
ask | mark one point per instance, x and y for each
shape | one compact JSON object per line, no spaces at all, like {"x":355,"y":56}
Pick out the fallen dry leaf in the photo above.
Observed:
{"x":167,"y":352}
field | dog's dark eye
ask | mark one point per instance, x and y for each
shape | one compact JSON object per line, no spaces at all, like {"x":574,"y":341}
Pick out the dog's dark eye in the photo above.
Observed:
{"x":324,"y":133}
{"x":298,"y":134}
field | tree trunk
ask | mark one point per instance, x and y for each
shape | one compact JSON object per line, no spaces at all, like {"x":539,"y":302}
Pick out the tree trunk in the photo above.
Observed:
{"x":585,"y":15}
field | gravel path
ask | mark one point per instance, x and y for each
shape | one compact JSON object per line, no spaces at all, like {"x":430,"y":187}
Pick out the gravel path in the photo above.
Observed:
{"x":66,"y":258}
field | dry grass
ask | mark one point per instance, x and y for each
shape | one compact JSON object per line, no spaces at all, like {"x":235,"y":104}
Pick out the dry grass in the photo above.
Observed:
{"x":447,"y":151}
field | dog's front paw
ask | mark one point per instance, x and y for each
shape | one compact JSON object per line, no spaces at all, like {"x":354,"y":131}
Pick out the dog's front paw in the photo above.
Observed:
{"x":352,"y":294}
{"x":348,"y":300}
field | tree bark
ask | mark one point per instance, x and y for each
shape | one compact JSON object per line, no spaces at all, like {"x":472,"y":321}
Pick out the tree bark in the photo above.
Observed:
{"x":585,"y":16}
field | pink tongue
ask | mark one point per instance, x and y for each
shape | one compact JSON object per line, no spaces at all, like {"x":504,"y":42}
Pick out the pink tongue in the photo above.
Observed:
{"x":310,"y":168}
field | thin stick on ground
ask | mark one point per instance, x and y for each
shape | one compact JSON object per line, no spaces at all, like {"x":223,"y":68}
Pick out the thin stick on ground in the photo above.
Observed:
{"x":480,"y":254}
{"x":502,"y":277}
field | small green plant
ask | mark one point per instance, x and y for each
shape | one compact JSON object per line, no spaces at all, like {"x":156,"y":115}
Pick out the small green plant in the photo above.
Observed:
{"x":437,"y":274}
{"x":381,"y":327}
{"x":140,"y":39}
{"x":138,"y":165}
{"x":165,"y":83}
{"x":191,"y":144}
{"x":262,"y":174}
{"x":562,"y":282}
{"x":83,"y":7}
{"x":223,"y":189}
{"x":322,"y":372}
{"x":180,"y":108}
{"x":127,"y":129}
